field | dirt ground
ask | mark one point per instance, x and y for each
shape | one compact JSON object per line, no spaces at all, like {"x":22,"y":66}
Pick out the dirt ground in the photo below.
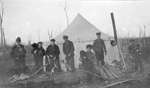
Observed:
{"x":6,"y":63}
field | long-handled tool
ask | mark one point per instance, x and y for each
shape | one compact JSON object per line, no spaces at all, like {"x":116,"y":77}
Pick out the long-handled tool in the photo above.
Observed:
{"x":116,"y":39}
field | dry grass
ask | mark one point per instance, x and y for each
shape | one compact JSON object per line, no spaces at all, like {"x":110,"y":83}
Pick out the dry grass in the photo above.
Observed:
{"x":6,"y":62}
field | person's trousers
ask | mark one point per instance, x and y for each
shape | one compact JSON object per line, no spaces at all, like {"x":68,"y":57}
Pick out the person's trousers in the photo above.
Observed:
{"x":70,"y":63}
{"x":38,"y":62}
{"x":100,"y":58}
{"x":57,"y":63}
{"x":54,"y":63}
{"x":138,"y":64}
{"x":20,"y":65}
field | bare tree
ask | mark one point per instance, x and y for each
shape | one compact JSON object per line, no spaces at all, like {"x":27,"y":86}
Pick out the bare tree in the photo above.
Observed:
{"x":3,"y":41}
{"x":50,"y":34}
{"x":66,"y":13}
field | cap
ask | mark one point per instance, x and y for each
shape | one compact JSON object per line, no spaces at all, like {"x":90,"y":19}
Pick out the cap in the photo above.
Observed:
{"x":52,"y":40}
{"x":89,"y":46}
{"x":98,"y":33}
{"x":40,"y":42}
{"x":34,"y":45}
{"x":65,"y":37}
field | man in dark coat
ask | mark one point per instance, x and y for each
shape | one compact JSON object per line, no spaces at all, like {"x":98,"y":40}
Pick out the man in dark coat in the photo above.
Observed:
{"x":68,"y":49}
{"x":18,"y":54}
{"x":53,"y":52}
{"x":38,"y":53}
{"x":99,"y":49}
{"x":135,"y":51}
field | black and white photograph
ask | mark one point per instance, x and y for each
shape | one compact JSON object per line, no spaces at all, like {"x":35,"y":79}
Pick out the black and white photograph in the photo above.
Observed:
{"x":74,"y":44}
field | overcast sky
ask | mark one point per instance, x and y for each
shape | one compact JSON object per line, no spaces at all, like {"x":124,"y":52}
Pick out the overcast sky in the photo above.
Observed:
{"x":31,"y":19}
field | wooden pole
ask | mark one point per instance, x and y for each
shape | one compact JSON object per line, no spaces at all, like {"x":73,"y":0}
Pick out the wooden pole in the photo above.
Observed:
{"x":66,"y":14}
{"x":114,"y":26}
{"x":116,"y":83}
{"x":144,"y":34}
{"x":49,"y":35}
{"x":116,"y":39}
{"x":3,"y":41}
{"x":1,"y":21}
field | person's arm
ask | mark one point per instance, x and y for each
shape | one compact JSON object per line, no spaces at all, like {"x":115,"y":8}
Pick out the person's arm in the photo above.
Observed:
{"x":72,"y":47}
{"x":95,"y":48}
{"x":12,"y":53}
{"x":43,"y":51}
{"x":57,"y":51}
{"x":104,"y":47}
{"x":64,"y":50}
{"x":24,"y":51}
{"x":47,"y":50}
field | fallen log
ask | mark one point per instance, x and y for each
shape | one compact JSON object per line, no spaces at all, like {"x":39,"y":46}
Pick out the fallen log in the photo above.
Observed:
{"x":118,"y":82}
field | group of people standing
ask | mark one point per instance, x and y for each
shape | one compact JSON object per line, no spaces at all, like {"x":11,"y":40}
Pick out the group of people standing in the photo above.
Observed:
{"x":91,"y":58}
{"x":52,"y":52}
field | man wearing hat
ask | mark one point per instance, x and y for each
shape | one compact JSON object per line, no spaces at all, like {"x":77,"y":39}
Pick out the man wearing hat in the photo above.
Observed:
{"x":18,"y":54}
{"x":53,"y":52}
{"x":99,"y":49}
{"x":38,"y":53}
{"x":68,"y":49}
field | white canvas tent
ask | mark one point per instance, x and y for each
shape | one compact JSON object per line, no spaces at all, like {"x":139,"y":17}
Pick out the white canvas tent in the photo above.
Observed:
{"x":81,"y":32}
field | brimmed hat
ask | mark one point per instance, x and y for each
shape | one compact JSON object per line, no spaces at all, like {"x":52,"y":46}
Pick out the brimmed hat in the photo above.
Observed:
{"x":89,"y":46}
{"x":98,"y":33}
{"x":40,"y":42}
{"x":34,"y":45}
{"x":52,"y":40}
{"x":65,"y":37}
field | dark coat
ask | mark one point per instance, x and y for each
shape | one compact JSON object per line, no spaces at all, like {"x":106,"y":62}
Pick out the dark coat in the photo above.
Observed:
{"x":99,"y":46}
{"x":18,"y":51}
{"x":40,"y":52}
{"x":68,"y":47}
{"x":53,"y":50}
{"x":18,"y":54}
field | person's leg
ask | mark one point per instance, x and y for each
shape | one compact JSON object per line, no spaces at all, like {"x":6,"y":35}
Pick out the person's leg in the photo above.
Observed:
{"x":72,"y":65}
{"x":140,"y":65}
{"x":16,"y":67}
{"x":52,"y":63}
{"x":40,"y":62}
{"x":67,"y":63}
{"x":22,"y":65}
{"x":97,"y":58}
{"x":36,"y":62}
{"x":136,"y":64}
{"x":101,"y":56}
{"x":57,"y":62}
